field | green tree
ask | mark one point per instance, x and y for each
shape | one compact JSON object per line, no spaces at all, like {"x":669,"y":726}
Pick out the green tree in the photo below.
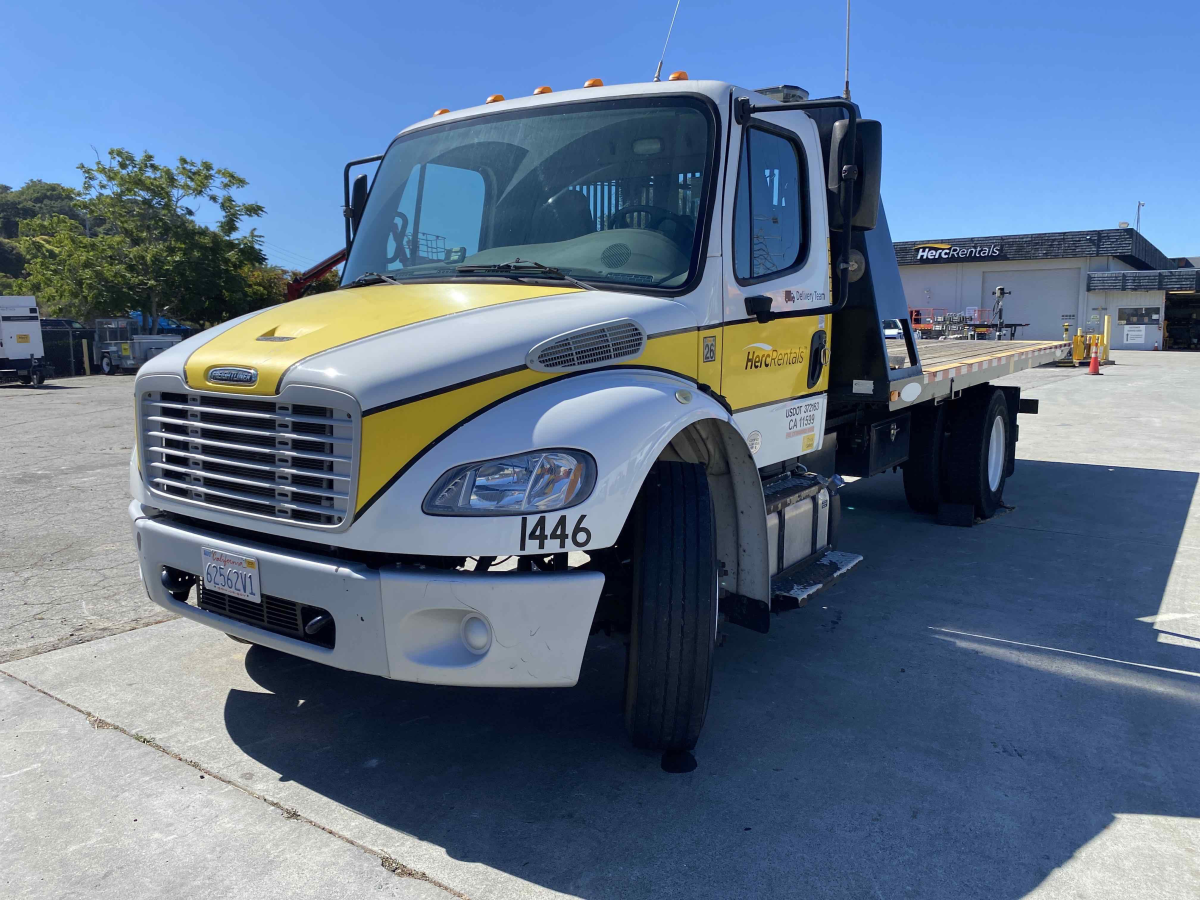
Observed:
{"x":37,"y":199}
{"x":268,"y":284}
{"x":12,"y":260}
{"x":143,"y":247}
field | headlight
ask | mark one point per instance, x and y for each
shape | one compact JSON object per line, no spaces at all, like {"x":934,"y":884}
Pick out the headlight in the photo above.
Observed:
{"x":541,"y":481}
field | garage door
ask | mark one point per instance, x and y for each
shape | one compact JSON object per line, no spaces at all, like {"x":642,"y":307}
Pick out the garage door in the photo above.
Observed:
{"x":1040,"y":297}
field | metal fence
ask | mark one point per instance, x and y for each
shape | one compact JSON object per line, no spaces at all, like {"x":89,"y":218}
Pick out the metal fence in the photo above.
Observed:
{"x":64,"y":349}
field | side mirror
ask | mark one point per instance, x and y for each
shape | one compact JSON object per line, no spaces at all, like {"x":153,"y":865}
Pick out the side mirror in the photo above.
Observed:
{"x":868,"y":157}
{"x":760,"y":307}
{"x":358,"y":200}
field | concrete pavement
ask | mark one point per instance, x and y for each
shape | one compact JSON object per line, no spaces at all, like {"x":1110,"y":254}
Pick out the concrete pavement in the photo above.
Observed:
{"x":117,"y":818}
{"x":1005,"y":711}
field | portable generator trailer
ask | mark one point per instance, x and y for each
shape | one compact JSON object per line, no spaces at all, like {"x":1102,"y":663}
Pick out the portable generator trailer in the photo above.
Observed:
{"x":121,"y":347}
{"x":598,"y":360}
{"x":22,"y":354}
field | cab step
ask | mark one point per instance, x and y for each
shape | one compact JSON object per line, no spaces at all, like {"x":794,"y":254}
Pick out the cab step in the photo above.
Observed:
{"x":791,"y":590}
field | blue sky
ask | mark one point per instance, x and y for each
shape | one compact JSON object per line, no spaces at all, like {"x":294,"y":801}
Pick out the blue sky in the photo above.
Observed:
{"x":998,"y":118}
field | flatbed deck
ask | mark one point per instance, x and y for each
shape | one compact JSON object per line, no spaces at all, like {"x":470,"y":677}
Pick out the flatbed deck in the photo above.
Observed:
{"x":951,"y":366}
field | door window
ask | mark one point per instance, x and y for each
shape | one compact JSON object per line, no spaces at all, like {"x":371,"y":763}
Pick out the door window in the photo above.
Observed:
{"x":768,"y":225}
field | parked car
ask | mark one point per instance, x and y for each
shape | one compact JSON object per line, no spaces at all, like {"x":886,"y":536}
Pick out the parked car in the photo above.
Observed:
{"x":892,"y":330}
{"x":64,"y":323}
{"x":165,"y":325}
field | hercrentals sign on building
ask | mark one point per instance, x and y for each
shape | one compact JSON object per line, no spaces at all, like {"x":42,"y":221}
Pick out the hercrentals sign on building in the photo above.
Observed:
{"x":946,"y":252}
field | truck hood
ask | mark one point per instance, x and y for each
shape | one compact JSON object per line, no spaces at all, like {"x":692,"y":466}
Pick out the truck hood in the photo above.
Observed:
{"x":420,"y":359}
{"x":385,"y":343}
{"x":273,"y":341}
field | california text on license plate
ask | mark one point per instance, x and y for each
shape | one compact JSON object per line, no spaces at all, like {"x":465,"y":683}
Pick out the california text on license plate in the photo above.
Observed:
{"x":230,"y":574}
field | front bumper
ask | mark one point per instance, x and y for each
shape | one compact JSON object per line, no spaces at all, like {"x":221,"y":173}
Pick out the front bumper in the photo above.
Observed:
{"x":400,"y":622}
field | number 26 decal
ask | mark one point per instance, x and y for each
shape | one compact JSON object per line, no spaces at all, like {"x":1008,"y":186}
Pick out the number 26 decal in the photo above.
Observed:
{"x":580,"y":536}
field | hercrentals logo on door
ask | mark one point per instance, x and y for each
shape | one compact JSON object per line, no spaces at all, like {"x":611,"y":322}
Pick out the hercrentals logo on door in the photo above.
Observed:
{"x":764,"y":356}
{"x":956,"y":251}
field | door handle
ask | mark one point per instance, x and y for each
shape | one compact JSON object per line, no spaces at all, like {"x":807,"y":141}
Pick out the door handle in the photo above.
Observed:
{"x":759,"y":306}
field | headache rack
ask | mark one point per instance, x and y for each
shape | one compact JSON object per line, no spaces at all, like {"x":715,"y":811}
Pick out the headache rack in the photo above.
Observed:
{"x":273,"y":458}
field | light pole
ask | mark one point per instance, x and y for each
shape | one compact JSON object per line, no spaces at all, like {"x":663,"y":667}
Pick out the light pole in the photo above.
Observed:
{"x":1137,"y":226}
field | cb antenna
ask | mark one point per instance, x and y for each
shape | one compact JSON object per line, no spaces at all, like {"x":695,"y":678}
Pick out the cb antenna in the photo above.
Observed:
{"x":846,"y":89}
{"x":658,"y":71}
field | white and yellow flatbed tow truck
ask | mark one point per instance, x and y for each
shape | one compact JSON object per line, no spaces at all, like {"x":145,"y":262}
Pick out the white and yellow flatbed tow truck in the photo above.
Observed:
{"x":599,"y":361}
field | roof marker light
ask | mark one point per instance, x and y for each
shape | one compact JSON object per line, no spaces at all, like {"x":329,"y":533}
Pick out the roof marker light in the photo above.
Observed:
{"x":440,"y":112}
{"x":544,"y":89}
{"x":495,"y":98}
{"x":594,"y":82}
{"x":678,"y":76}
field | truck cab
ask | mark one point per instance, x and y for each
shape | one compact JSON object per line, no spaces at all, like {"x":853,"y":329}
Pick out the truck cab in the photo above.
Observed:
{"x":577,"y":376}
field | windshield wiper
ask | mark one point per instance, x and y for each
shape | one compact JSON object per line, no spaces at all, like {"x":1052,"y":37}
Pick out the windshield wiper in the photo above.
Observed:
{"x":522,"y":268}
{"x":371,"y":278}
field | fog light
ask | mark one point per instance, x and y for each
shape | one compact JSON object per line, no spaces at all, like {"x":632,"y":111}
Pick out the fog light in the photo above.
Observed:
{"x":476,"y":634}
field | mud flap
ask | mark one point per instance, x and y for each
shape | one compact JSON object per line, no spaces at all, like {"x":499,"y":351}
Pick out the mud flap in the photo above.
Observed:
{"x":747,"y":612}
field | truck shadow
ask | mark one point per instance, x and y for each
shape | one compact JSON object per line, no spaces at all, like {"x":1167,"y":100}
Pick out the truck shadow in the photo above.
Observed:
{"x":916,"y":730}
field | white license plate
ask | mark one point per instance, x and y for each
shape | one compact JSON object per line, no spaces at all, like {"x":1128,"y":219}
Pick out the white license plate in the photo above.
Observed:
{"x":230,"y":574}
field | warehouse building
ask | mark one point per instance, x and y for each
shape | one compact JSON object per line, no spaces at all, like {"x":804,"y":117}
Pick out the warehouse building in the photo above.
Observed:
{"x":1074,"y":278}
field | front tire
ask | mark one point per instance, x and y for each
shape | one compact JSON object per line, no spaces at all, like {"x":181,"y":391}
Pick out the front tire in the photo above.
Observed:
{"x":672,"y":640}
{"x":977,"y":453}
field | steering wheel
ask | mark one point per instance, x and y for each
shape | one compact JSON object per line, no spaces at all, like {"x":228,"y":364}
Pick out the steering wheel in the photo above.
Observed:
{"x":656,"y":213}
{"x":398,"y":232}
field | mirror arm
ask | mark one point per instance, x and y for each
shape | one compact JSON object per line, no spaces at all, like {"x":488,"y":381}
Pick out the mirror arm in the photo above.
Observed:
{"x":743,"y":109}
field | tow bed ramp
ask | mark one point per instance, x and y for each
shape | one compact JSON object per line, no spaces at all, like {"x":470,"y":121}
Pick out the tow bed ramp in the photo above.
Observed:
{"x":952,"y":366}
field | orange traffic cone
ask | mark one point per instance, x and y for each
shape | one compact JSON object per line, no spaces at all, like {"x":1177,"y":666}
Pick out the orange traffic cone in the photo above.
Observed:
{"x":1094,"y":365}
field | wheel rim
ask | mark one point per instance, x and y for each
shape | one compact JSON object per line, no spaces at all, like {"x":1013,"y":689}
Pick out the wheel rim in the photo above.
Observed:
{"x":996,"y":449}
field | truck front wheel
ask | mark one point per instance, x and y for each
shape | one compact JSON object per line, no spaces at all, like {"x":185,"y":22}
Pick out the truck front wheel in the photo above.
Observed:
{"x":674,"y":628}
{"x":977,"y":453}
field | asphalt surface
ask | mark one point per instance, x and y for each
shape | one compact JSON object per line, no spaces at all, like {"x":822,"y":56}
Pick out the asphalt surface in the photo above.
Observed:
{"x":66,"y":573}
{"x":1008,"y":710}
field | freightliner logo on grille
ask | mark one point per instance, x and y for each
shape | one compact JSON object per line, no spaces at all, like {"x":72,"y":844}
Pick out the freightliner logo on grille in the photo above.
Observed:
{"x":233,"y":375}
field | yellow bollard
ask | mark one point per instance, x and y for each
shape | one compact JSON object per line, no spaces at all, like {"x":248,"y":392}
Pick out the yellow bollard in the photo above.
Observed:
{"x":87,"y":362}
{"x":1104,"y":346}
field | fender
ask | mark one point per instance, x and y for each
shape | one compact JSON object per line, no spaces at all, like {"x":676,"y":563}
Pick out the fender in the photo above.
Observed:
{"x":626,"y":418}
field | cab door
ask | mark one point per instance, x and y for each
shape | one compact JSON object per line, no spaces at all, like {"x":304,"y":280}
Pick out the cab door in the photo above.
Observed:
{"x":775,"y":364}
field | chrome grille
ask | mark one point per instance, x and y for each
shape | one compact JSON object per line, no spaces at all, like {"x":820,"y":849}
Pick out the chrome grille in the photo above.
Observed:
{"x":592,"y":346}
{"x":273,"y":458}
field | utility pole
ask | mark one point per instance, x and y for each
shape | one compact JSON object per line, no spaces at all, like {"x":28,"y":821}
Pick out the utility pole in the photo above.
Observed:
{"x":1137,"y":225}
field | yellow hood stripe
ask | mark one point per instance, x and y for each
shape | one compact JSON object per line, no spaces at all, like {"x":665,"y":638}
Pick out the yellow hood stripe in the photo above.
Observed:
{"x":395,"y":437}
{"x":312,"y":325}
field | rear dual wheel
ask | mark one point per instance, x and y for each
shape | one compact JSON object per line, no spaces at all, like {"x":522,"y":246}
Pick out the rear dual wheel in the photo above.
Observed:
{"x":977,"y":450}
{"x":668,"y":675}
{"x":959,"y":453}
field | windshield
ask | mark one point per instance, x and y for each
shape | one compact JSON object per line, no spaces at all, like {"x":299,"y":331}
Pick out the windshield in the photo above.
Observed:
{"x":612,"y":192}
